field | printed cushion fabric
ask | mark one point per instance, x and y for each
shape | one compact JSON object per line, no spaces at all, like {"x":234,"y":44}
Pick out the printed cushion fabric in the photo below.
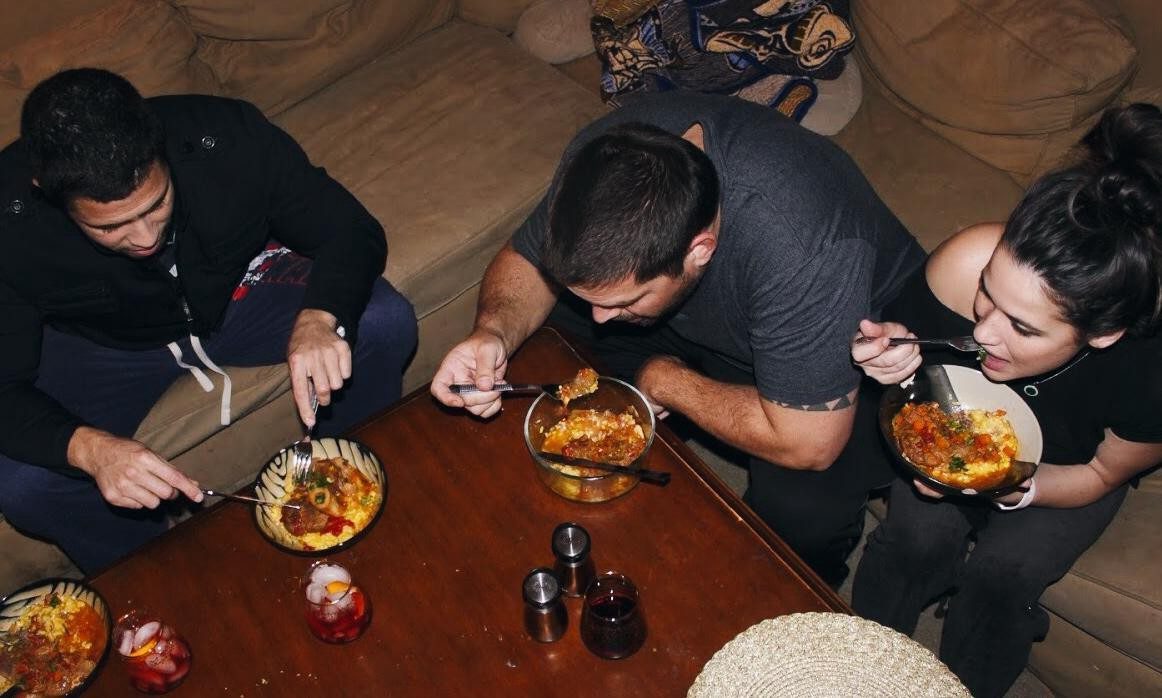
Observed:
{"x":147,"y":41}
{"x":721,"y":46}
{"x":999,"y":77}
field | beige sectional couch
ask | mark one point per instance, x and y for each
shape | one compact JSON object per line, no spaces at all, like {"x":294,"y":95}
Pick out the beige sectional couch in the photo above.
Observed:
{"x":443,"y":127}
{"x":448,"y":132}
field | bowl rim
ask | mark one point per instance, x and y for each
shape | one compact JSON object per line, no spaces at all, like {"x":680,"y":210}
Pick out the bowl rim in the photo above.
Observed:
{"x":257,"y":513}
{"x":603,"y":476}
{"x":895,"y":396}
{"x":103,"y":610}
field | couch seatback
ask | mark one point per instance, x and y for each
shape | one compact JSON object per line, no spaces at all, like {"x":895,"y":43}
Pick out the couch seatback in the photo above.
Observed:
{"x":148,"y":41}
{"x":1014,"y":82}
{"x":275,"y":54}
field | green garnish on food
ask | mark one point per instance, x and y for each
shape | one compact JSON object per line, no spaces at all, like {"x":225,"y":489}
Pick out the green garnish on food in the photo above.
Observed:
{"x":956,"y":464}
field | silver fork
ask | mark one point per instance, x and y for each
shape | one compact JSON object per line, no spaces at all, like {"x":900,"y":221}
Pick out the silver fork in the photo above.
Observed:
{"x":302,"y":455}
{"x":966,"y":343}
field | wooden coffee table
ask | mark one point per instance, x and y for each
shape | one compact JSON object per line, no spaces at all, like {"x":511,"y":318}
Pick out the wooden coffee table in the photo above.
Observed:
{"x":465,"y":518}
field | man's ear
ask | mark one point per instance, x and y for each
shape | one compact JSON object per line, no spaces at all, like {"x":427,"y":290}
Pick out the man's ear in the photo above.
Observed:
{"x":702,"y":247}
{"x":36,"y":182}
{"x":695,"y":135}
{"x":1105,"y":340}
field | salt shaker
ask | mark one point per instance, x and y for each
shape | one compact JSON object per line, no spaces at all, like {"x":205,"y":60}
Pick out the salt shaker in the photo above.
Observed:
{"x":573,"y":567}
{"x":545,"y":615}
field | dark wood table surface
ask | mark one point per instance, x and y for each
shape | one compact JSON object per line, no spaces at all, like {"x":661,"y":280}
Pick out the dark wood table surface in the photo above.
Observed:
{"x":465,"y":519}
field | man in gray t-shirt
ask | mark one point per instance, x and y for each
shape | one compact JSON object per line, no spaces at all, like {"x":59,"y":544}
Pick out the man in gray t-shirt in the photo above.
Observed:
{"x":739,"y":251}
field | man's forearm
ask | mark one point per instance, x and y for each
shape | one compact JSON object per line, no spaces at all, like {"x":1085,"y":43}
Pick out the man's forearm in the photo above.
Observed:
{"x":735,"y":415}
{"x":514,"y":299}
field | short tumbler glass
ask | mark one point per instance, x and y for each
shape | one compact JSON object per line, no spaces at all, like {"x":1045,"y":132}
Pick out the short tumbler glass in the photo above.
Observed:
{"x":613,"y":625}
{"x":156,"y":658}
{"x":337,"y":609}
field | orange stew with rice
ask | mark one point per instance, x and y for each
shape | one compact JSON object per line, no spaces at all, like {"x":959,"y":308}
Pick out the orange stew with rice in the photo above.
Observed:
{"x":969,"y":449}
{"x":335,"y":502}
{"x":599,"y":435}
{"x":52,"y":647}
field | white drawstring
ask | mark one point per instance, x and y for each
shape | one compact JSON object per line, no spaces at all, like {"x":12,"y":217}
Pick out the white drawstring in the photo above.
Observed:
{"x":200,"y":376}
{"x":197,"y":373}
{"x":226,"y":386}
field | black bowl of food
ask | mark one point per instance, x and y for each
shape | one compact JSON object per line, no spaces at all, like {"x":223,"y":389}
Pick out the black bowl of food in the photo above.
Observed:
{"x":337,"y":499}
{"x":54,"y":633}
{"x":960,"y":433}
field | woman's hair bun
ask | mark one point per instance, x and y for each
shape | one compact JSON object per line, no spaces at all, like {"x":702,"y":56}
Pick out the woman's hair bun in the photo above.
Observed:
{"x":1128,"y":195}
{"x":1125,"y":159}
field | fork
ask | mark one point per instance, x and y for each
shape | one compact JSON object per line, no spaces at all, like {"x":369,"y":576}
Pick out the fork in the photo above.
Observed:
{"x":550,"y":388}
{"x":302,"y":455}
{"x":966,"y":343}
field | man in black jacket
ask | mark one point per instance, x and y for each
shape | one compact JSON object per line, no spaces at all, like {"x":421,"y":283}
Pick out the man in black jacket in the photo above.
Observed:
{"x":136,"y":245}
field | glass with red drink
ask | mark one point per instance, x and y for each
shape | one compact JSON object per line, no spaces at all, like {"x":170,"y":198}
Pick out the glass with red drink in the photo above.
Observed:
{"x":613,"y":625}
{"x":155,"y":656}
{"x":337,"y":609}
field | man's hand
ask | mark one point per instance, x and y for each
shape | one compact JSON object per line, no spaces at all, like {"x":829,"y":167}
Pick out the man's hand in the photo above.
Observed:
{"x":480,"y":359}
{"x":127,"y":473}
{"x":652,"y":378}
{"x":871,"y":351}
{"x":316,"y":354}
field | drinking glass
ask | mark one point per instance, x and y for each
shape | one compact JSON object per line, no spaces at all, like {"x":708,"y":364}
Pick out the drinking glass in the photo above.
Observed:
{"x":613,"y":625}
{"x":337,"y":610}
{"x":155,"y":656}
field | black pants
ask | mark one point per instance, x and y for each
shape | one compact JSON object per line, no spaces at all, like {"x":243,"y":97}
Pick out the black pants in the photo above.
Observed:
{"x":919,"y":553}
{"x":819,"y":514}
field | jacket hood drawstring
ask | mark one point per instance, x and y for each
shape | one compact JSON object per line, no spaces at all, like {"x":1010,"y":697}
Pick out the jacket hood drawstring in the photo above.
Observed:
{"x":200,"y":375}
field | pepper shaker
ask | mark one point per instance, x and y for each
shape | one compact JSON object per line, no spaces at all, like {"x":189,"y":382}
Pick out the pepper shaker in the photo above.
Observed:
{"x":545,"y":614}
{"x":573,"y":566}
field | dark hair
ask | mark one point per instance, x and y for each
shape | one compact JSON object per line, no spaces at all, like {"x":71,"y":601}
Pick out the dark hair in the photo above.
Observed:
{"x":1091,"y":230}
{"x":629,"y":202}
{"x":89,"y":133}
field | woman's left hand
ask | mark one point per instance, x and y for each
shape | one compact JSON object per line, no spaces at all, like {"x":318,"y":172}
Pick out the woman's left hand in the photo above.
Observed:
{"x":926,"y":490}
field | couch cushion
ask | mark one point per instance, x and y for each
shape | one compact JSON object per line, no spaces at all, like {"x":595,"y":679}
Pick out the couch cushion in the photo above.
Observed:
{"x":999,"y":77}
{"x":932,"y":186}
{"x":1112,"y":591}
{"x":275,"y":54}
{"x":498,"y":14}
{"x":1071,"y":662}
{"x":185,"y":416}
{"x":147,"y":41}
{"x":449,"y":142}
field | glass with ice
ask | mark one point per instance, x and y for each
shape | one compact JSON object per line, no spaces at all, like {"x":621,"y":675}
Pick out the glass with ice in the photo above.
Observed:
{"x":155,"y":656}
{"x":338,"y":611}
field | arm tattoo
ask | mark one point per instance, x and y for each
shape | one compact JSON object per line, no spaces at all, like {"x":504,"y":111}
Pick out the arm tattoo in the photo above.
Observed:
{"x":829,"y":406}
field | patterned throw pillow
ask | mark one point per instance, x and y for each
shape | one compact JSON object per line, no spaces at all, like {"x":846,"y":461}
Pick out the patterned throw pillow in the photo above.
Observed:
{"x":724,"y":46}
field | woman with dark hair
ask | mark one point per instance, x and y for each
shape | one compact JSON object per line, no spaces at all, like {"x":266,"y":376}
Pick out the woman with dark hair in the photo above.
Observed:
{"x":1065,"y":300}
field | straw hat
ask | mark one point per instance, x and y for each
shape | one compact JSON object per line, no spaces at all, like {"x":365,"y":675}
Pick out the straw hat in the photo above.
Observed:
{"x":824,"y":654}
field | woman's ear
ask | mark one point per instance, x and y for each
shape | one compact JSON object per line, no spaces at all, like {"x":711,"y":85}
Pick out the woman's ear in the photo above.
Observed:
{"x":1104,"y":340}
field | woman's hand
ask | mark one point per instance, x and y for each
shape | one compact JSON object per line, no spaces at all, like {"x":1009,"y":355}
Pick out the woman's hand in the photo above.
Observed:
{"x":880,"y":360}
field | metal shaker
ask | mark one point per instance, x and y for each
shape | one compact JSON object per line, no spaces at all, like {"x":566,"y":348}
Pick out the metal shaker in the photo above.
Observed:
{"x":573,"y":566}
{"x":545,"y":615}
